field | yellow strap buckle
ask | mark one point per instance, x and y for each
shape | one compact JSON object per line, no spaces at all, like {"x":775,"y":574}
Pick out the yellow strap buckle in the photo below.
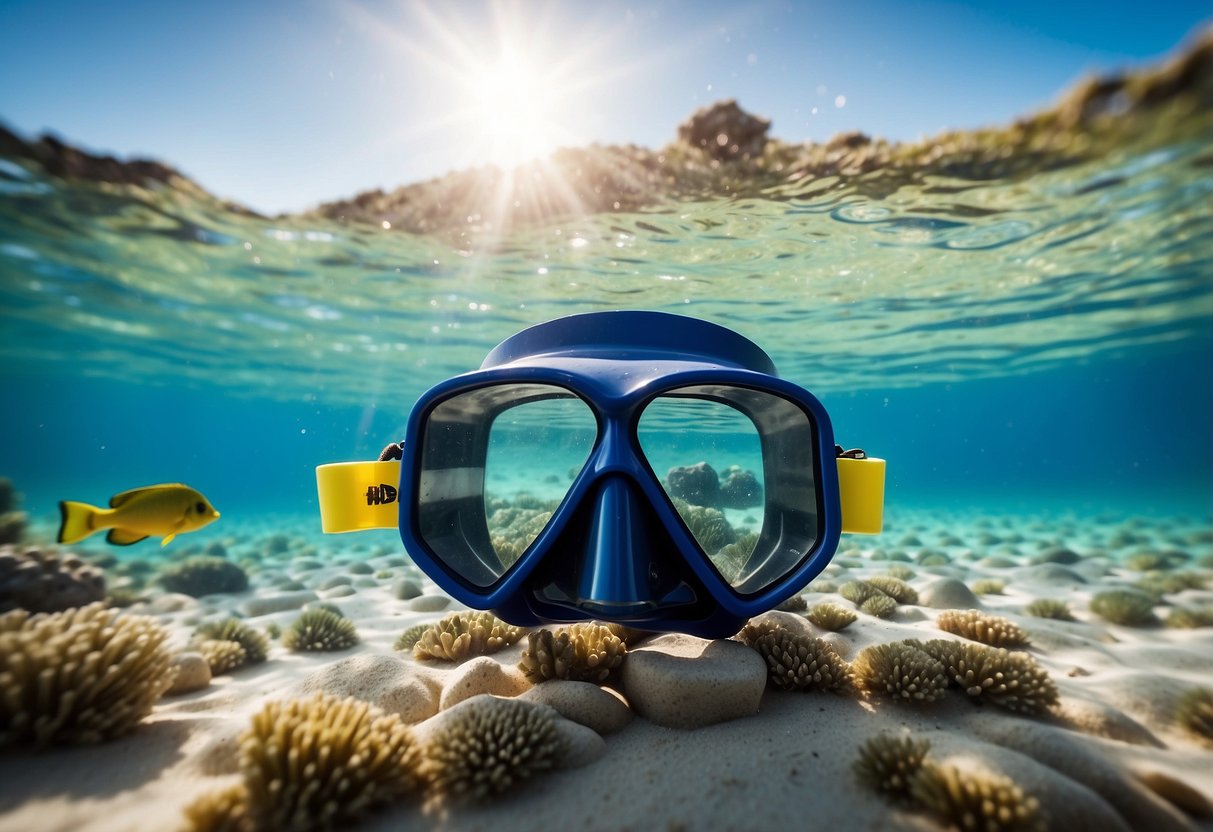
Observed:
{"x":861,"y":494}
{"x":358,"y":495}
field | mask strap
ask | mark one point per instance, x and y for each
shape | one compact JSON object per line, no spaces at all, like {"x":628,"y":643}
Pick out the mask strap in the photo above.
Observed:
{"x":358,"y":495}
{"x":362,"y":495}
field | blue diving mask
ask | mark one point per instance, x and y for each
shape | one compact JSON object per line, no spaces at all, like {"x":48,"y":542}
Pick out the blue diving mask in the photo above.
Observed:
{"x":635,"y":467}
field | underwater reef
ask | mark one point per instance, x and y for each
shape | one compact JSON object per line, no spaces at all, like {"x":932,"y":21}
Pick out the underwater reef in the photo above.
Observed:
{"x":339,"y":689}
{"x":1139,"y":108}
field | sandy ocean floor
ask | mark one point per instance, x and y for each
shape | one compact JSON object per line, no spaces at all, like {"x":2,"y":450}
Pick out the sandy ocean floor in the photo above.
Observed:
{"x":1110,"y":754}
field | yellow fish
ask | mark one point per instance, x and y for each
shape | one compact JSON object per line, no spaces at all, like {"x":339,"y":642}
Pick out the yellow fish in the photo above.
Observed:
{"x":135,"y":515}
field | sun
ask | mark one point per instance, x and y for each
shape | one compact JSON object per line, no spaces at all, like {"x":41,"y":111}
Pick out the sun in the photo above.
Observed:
{"x":514,"y":109}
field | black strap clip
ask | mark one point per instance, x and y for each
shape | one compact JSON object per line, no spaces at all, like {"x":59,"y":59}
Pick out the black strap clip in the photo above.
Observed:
{"x":392,"y":451}
{"x":853,"y":453}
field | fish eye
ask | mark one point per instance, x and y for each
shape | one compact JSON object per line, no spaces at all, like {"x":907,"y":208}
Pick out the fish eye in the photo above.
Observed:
{"x":200,"y":508}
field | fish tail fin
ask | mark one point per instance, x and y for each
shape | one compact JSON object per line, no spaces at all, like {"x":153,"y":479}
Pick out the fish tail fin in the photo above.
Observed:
{"x":79,"y":520}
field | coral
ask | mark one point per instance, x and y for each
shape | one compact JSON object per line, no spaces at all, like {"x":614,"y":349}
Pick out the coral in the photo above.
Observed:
{"x":256,"y":646}
{"x":900,"y":670}
{"x":1158,"y":584}
{"x":989,"y":586}
{"x":881,"y":606}
{"x":1190,"y":617}
{"x":1049,"y":608}
{"x":971,"y":801}
{"x":795,"y":603}
{"x":628,"y":635}
{"x":320,"y":630}
{"x":1148,"y":561}
{"x":1127,"y":607}
{"x":38,"y":581}
{"x":204,"y":576}
{"x":580,"y":652}
{"x":830,"y":616}
{"x":895,"y":588}
{"x":796,"y":661}
{"x":697,"y":484}
{"x":1194,"y":712}
{"x":122,"y":597}
{"x":409,"y":638}
{"x":732,"y":558}
{"x":1059,"y":555}
{"x":323,"y":762}
{"x":464,"y":634}
{"x":858,"y":591}
{"x":974,"y":625}
{"x":222,"y":656}
{"x":709,"y":527}
{"x":888,"y":764}
{"x":899,"y":571}
{"x":932,"y":557}
{"x":740,"y":489}
{"x":488,"y":746}
{"x":78,"y":676}
{"x":1009,"y":679}
{"x":225,"y":810}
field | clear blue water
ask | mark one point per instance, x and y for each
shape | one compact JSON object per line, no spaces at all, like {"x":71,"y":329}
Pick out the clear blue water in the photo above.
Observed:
{"x":1042,"y":344}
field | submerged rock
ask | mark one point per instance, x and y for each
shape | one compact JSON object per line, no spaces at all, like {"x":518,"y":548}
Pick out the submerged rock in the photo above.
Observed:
{"x":680,"y":681}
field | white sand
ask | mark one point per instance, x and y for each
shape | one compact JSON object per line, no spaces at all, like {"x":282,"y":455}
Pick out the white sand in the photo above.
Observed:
{"x":789,"y":766}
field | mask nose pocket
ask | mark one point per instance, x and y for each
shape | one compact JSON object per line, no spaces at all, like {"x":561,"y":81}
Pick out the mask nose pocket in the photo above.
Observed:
{"x":613,"y":559}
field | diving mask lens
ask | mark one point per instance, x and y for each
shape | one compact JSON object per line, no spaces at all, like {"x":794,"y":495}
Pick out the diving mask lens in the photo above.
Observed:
{"x":485,"y":495}
{"x":737,"y":464}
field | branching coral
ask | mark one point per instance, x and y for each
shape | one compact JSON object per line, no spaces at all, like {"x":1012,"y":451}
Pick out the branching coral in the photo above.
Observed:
{"x":409,"y":638}
{"x":489,"y":745}
{"x":895,"y":588}
{"x":1195,"y":713}
{"x":858,"y":591}
{"x":831,"y":617}
{"x":974,"y":625}
{"x":1130,"y":608}
{"x":222,"y":656}
{"x":1010,"y":680}
{"x":888,"y":764}
{"x":796,"y":661}
{"x":1049,"y":608}
{"x":322,"y":762}
{"x":225,"y":810}
{"x":464,"y":634}
{"x":977,"y":802}
{"x":628,"y":635}
{"x":989,"y":586}
{"x":900,"y":670}
{"x":320,"y":630}
{"x":881,"y":606}
{"x":255,"y":644}
{"x":580,"y":652}
{"x":79,"y":676}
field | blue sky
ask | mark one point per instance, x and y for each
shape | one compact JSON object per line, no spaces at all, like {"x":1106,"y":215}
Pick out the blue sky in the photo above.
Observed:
{"x":280,"y":105}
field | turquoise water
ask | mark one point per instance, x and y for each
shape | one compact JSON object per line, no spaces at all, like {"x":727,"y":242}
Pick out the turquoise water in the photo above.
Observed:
{"x":1012,"y":347}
